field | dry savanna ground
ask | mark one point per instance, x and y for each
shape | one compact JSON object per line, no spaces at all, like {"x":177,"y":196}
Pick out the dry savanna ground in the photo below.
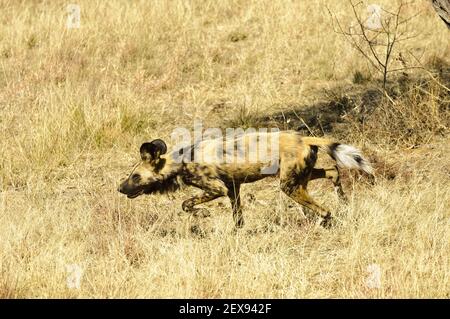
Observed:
{"x":76,"y":104}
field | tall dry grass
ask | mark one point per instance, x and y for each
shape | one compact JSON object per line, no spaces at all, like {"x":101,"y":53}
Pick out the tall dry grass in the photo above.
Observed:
{"x":75,"y":105}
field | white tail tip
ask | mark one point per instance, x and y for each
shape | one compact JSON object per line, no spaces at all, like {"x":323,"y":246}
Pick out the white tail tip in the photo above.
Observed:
{"x":350,"y":157}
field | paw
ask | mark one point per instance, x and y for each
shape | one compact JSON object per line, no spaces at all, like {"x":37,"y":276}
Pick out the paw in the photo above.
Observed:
{"x":327,"y":221}
{"x":197,"y":231}
{"x":251,"y":198}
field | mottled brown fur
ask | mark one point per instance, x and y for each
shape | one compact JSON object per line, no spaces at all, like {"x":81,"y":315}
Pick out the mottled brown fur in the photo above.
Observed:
{"x":296,"y":157}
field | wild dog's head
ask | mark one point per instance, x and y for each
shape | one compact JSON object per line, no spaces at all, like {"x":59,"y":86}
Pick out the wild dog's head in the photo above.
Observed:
{"x":154,"y":174}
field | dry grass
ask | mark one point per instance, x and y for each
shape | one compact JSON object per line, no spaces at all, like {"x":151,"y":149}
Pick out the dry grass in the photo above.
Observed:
{"x":75,"y":104}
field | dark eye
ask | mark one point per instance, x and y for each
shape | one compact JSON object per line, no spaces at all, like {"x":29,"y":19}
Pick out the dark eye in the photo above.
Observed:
{"x":136,"y":178}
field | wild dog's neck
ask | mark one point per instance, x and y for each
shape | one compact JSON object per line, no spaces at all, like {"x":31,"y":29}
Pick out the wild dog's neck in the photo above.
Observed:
{"x":172,"y":166}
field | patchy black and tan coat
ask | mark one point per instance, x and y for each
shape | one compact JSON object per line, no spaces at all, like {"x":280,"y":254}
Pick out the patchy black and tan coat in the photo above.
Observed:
{"x":294,"y":159}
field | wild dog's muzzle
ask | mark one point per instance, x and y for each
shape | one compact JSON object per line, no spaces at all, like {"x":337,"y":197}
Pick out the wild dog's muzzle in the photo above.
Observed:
{"x":165,"y":186}
{"x":131,"y":192}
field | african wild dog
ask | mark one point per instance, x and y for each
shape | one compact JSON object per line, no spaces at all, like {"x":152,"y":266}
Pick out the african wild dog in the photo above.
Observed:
{"x":162,"y":172}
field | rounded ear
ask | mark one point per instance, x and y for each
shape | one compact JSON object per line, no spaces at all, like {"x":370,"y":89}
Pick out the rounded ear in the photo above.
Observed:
{"x":154,"y":149}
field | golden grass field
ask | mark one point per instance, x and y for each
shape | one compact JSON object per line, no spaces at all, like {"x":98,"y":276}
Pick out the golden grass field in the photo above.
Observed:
{"x":76,"y":104}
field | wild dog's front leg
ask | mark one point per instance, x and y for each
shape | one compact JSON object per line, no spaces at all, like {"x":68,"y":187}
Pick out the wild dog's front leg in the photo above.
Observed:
{"x":234,"y":194}
{"x":189,"y":204}
{"x":213,"y":188}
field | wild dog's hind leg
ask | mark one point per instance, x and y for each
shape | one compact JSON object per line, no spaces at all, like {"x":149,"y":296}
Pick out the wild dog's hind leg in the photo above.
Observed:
{"x":294,"y":177}
{"x":299,"y":194}
{"x":234,"y":194}
{"x":332,"y":174}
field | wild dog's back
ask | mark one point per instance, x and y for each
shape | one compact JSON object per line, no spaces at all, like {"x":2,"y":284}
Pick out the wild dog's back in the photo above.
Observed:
{"x":247,"y":157}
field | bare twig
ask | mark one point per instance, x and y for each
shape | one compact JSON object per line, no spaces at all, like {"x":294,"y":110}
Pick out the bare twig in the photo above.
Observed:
{"x":368,"y":42}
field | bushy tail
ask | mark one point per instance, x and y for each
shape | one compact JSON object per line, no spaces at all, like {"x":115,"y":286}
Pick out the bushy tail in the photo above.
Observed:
{"x":345,"y":155}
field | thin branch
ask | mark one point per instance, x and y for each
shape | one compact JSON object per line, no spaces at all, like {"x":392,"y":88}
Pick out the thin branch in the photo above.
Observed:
{"x":367,"y":41}
{"x":349,"y":38}
{"x":404,"y":69}
{"x":411,"y":17}
{"x":361,"y":25}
